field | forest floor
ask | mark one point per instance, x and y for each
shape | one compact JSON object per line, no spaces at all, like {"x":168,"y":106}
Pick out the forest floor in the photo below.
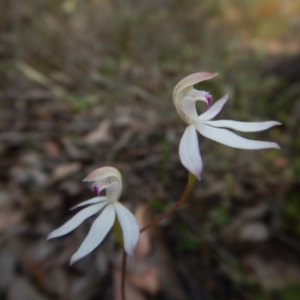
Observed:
{"x":86,"y":84}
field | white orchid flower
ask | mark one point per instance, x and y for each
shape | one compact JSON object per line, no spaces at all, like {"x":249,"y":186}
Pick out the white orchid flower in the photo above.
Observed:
{"x":110,"y":179}
{"x":184,"y":99}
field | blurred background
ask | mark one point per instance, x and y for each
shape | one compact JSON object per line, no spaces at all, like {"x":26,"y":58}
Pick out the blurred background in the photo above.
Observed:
{"x":88,"y":83}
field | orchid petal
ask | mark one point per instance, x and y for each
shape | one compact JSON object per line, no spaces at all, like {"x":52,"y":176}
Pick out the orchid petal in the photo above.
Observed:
{"x":243,"y":126}
{"x":109,"y":178}
{"x":230,"y":139}
{"x":189,"y":81}
{"x":113,"y":192}
{"x":103,"y":173}
{"x":129,"y":227}
{"x":214,"y":109}
{"x":76,"y":220}
{"x":97,"y":233}
{"x":113,"y":189}
{"x":188,"y":104}
{"x":88,"y":202}
{"x":189,"y":151}
{"x":100,"y":185}
{"x":183,"y":87}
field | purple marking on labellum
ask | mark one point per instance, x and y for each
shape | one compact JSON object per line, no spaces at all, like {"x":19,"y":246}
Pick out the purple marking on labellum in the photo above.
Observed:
{"x":95,"y":189}
{"x":209,"y":99}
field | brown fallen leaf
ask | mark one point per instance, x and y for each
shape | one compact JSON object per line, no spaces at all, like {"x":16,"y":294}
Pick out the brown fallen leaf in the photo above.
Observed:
{"x":131,"y":293}
{"x":9,"y":217}
{"x":142,"y":275}
{"x":147,"y":281}
{"x":152,"y":270}
{"x":101,"y":134}
{"x":22,"y":289}
{"x":248,"y":225}
{"x":254,"y":232}
{"x":64,"y":171}
{"x":52,"y":148}
{"x":143,"y":246}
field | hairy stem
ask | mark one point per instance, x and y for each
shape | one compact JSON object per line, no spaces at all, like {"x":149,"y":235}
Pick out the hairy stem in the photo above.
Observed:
{"x":184,"y":196}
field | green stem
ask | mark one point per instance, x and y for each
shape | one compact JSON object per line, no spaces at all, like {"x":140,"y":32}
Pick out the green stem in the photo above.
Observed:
{"x":118,"y":235}
{"x":118,"y":232}
{"x":184,"y":196}
{"x":124,"y":256}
